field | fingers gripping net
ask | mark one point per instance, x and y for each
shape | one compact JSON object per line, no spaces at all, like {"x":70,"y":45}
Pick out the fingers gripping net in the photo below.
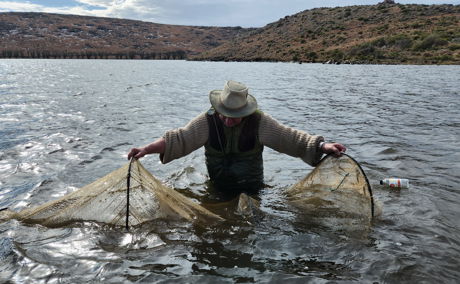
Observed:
{"x":106,"y":201}
{"x":336,"y":187}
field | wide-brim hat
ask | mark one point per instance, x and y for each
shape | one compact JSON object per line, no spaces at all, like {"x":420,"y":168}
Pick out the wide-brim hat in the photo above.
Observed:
{"x":233,"y":101}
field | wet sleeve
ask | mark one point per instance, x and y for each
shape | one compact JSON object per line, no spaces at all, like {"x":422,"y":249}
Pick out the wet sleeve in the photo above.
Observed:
{"x":290,"y":141}
{"x":182,"y":141}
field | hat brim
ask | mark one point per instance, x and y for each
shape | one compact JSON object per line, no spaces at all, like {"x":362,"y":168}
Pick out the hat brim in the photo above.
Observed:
{"x":248,"y":109}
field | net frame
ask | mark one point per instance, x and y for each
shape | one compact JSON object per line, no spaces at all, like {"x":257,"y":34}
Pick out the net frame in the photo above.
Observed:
{"x":309,"y":185}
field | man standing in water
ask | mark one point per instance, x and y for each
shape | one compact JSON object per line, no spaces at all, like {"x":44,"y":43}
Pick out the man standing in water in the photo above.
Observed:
{"x":234,"y":133}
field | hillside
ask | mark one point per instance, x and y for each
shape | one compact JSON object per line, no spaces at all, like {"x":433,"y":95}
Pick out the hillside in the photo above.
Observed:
{"x":386,"y":33}
{"x":42,"y":35}
{"x":383,"y":33}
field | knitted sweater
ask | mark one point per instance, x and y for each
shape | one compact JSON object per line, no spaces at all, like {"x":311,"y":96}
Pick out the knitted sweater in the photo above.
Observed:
{"x":182,"y":141}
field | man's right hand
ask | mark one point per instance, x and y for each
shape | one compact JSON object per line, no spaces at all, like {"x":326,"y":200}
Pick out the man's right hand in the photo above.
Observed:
{"x":157,"y":146}
{"x":137,"y":153}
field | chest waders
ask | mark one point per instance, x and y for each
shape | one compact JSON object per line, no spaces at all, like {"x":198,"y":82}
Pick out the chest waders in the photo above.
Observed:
{"x":234,"y":154}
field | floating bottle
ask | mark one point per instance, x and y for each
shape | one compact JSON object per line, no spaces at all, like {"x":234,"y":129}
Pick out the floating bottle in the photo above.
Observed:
{"x":395,"y":182}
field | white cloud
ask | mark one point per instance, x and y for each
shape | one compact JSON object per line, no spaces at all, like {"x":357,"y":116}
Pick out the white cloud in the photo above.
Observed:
{"x":246,"y":13}
{"x":130,"y":9}
{"x":182,"y":12}
{"x":100,"y":3}
{"x":133,"y":8}
{"x":6,"y":6}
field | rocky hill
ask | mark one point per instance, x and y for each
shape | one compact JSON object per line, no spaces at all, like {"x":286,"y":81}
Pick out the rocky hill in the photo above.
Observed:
{"x":41,"y":35}
{"x":387,"y":33}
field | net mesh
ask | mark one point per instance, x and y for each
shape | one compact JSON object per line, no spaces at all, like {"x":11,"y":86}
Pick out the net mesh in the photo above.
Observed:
{"x":337,"y":187}
{"x":106,"y":201}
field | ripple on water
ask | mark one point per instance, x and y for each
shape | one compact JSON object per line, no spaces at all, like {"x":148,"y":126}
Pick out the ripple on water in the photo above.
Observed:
{"x":68,"y":126}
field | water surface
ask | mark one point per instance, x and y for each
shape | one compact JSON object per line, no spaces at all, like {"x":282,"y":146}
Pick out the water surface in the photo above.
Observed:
{"x":65,"y":123}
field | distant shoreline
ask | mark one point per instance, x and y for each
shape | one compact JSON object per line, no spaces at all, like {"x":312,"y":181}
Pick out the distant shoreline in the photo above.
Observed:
{"x":212,"y":61}
{"x":386,"y":33}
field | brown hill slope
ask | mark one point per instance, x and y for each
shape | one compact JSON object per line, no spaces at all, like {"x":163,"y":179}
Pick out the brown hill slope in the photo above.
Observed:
{"x":42,"y":35}
{"x":383,"y":33}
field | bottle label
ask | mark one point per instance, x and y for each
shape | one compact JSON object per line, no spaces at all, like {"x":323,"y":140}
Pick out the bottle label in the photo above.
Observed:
{"x":395,"y":183}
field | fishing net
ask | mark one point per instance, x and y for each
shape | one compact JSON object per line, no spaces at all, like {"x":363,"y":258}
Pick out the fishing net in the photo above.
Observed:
{"x":337,"y":189}
{"x":128,"y":196}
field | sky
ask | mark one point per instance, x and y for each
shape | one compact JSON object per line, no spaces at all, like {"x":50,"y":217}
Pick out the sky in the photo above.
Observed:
{"x":244,"y":13}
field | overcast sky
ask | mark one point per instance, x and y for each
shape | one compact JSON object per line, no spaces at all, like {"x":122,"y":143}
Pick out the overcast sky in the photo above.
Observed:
{"x":245,"y":13}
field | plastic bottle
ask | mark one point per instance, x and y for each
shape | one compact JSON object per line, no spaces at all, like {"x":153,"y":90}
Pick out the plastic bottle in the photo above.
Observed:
{"x":395,"y":182}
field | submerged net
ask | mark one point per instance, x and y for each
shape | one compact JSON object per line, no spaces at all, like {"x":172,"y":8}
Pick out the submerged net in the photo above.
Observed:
{"x":336,"y":189}
{"x":128,"y":196}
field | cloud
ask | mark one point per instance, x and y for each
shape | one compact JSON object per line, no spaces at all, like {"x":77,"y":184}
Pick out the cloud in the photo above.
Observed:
{"x":129,"y":9}
{"x":246,"y":13}
{"x":101,"y":3}
{"x":140,"y":9}
{"x":182,"y":12}
{"x":6,"y":6}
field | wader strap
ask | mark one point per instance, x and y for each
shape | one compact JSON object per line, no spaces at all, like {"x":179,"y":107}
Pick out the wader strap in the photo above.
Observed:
{"x":218,"y":136}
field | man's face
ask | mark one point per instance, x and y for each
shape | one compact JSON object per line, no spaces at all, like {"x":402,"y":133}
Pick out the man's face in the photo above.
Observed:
{"x":230,"y":122}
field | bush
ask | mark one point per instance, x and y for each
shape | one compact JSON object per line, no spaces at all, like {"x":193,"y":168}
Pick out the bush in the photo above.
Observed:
{"x":400,"y":41}
{"x":366,"y":51}
{"x":363,"y":49}
{"x":430,"y":42}
{"x":379,"y":42}
{"x":312,"y":55}
{"x":336,"y":55}
{"x":444,"y":57}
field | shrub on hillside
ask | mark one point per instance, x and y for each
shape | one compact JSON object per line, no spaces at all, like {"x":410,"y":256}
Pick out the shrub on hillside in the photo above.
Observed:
{"x":367,"y":51}
{"x":400,"y":41}
{"x":430,"y":42}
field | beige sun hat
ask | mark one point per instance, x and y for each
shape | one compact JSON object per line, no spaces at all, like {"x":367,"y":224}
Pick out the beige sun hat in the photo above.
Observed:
{"x":233,"y":101}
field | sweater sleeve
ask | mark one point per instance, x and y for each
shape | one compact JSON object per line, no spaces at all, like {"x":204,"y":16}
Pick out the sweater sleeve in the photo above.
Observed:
{"x":290,"y":141}
{"x":182,"y":141}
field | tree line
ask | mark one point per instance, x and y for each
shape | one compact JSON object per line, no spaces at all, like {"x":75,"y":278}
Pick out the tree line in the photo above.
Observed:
{"x":90,"y":54}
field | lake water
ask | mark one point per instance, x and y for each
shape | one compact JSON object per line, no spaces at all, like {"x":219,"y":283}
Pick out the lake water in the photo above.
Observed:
{"x":66,"y":123}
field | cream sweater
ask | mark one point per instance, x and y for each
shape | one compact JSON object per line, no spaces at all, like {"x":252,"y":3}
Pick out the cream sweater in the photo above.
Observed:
{"x":182,"y":141}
